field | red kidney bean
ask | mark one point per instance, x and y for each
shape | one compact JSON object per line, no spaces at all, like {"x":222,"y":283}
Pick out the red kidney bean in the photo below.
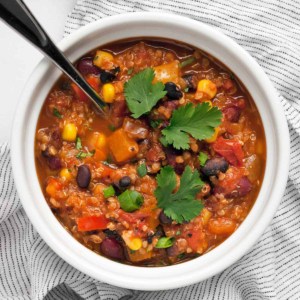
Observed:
{"x":54,"y":163}
{"x":171,"y":158}
{"x":164,"y":219}
{"x":111,"y":248}
{"x":172,"y":251}
{"x":244,"y":186}
{"x":85,"y":66}
{"x":56,"y":139}
{"x":232,"y":114}
{"x":83,"y":177}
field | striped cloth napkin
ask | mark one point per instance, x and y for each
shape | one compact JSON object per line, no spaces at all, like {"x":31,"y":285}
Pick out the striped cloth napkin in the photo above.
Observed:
{"x":270,"y":31}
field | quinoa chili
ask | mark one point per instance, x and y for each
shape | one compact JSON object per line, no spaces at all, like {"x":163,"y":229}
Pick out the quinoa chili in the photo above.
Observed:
{"x":173,"y":167}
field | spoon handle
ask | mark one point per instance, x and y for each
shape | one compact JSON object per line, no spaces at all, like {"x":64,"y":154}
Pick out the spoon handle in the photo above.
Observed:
{"x":16,"y":14}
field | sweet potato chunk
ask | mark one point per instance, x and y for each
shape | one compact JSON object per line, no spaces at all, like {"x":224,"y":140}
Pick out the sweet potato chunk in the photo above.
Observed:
{"x":122,"y":146}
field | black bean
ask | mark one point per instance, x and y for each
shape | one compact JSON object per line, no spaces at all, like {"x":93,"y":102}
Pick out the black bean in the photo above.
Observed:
{"x":109,"y":76}
{"x":173,"y":91}
{"x":150,"y":238}
{"x":190,"y":81}
{"x":215,"y":165}
{"x":106,"y":76}
{"x":111,"y":248}
{"x":179,"y":168}
{"x":124,"y":182}
{"x":164,"y":219}
{"x":159,"y":231}
{"x":45,"y":153}
{"x":85,"y":66}
{"x":54,"y":163}
{"x":83,"y":177}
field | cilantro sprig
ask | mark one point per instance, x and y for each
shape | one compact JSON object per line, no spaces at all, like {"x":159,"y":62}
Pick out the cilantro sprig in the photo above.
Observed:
{"x":141,"y":94}
{"x":181,"y":205}
{"x":82,"y":154}
{"x":199,"y":121}
{"x":56,"y":113}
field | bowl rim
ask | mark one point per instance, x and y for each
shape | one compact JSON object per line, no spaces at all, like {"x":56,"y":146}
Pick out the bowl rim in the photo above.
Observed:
{"x":168,"y":277}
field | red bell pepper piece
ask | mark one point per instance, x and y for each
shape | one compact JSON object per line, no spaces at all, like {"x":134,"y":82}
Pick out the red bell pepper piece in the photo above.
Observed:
{"x":92,"y":223}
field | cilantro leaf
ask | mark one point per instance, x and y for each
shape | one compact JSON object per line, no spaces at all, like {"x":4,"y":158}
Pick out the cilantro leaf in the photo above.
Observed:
{"x":179,"y":206}
{"x":199,"y":121}
{"x":141,"y":95}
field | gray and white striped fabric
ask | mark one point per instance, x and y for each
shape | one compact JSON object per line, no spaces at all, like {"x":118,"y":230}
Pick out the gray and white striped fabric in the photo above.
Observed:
{"x":270,"y":31}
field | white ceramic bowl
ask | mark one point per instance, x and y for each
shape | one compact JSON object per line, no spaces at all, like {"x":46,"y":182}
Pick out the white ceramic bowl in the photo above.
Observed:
{"x":232,"y":55}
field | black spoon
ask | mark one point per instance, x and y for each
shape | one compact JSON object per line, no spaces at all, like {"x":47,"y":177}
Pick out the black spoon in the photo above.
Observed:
{"x":16,"y":14}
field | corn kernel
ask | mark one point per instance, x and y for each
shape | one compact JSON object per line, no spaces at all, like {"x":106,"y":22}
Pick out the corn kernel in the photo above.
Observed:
{"x":101,"y":141}
{"x":214,"y":136}
{"x":69,"y":132}
{"x":207,"y":88}
{"x":108,"y":93}
{"x":102,"y":57}
{"x":65,"y":173}
{"x":133,"y":243}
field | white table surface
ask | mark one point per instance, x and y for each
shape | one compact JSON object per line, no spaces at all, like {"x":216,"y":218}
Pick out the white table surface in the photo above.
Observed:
{"x":18,"y":58}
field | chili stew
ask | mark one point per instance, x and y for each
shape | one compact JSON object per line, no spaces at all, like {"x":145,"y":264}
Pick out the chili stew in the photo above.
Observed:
{"x":172,"y":168}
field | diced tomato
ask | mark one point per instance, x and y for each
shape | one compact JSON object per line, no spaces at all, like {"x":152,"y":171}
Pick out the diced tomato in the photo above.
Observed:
{"x":231,"y":181}
{"x":132,"y":217}
{"x":196,"y":240}
{"x":79,"y":93}
{"x":105,"y":171}
{"x":94,"y":82}
{"x":231,"y":150}
{"x":91,"y":223}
